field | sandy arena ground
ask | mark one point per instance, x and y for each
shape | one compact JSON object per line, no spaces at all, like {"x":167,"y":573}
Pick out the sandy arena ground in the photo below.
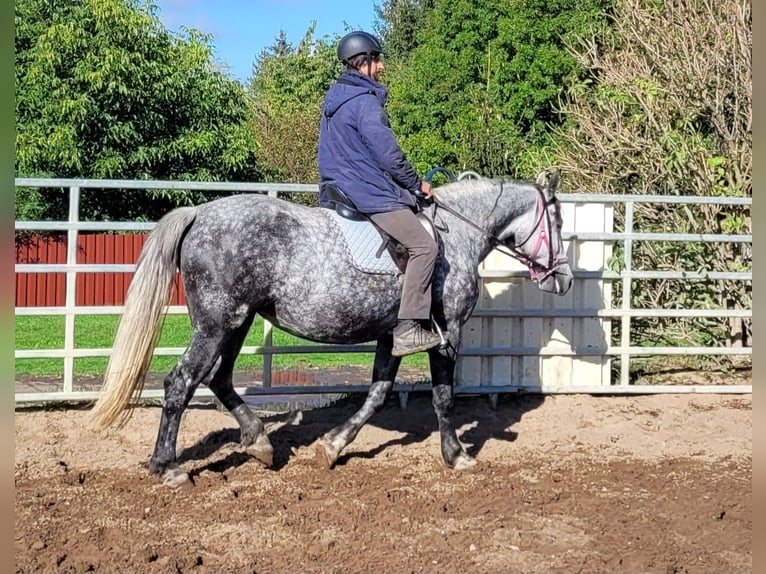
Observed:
{"x":563,"y":484}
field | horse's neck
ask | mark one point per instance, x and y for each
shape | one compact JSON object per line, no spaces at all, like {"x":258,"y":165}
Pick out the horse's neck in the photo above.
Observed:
{"x":490,"y":205}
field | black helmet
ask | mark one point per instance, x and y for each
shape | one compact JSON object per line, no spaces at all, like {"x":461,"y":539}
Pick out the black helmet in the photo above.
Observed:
{"x":355,"y":43}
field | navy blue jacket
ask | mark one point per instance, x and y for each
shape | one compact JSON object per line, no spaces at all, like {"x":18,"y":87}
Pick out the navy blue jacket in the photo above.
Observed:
{"x":358,"y":152}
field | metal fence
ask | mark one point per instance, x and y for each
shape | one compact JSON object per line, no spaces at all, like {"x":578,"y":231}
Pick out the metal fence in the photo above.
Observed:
{"x":624,"y":352}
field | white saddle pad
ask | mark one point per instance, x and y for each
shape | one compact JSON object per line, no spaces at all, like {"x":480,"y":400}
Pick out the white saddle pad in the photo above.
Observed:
{"x":362,"y":242}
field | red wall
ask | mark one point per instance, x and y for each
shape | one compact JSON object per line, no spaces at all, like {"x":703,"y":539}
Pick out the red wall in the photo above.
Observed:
{"x":91,"y":289}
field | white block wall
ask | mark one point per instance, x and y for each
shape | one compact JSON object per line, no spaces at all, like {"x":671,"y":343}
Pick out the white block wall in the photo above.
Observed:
{"x":550,"y":333}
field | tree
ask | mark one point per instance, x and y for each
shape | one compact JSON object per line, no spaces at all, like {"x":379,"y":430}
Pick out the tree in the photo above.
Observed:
{"x":477,"y":90}
{"x":398,"y":25}
{"x":287,"y":90}
{"x":103,"y":90}
{"x":667,"y":109}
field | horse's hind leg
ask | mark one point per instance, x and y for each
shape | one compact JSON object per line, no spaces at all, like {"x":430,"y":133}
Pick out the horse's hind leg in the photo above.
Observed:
{"x":443,"y":381}
{"x":196,"y":364}
{"x":252,"y":430}
{"x":384,"y":370}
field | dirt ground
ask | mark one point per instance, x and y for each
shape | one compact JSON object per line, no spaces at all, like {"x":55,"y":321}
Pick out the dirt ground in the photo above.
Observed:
{"x":569,"y":483}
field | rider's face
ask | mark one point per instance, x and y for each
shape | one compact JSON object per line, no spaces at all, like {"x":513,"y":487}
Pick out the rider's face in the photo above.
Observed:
{"x":375,"y":68}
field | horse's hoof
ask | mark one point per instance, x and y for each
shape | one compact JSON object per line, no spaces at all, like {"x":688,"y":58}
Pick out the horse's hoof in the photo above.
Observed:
{"x":263,"y":455}
{"x":262,"y":451}
{"x":177,"y":479}
{"x":325,"y":454}
{"x":464,"y":462}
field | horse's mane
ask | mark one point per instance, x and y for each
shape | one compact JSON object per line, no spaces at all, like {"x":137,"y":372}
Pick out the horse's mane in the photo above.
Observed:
{"x":477,"y":186}
{"x":464,"y":186}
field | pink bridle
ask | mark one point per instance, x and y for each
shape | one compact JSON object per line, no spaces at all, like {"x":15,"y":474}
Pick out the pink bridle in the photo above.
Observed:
{"x":537,"y":271}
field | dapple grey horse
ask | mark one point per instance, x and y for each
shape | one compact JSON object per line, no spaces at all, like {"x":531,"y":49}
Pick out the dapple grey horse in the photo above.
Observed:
{"x":249,"y":254}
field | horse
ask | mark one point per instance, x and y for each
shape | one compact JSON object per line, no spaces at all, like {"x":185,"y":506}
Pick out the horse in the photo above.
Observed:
{"x":252,"y":253}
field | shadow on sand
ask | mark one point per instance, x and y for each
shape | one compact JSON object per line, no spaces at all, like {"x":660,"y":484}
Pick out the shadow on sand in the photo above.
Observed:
{"x":292,"y":430}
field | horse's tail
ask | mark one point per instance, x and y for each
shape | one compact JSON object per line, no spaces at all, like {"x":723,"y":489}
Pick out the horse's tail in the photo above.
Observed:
{"x":139,"y":326}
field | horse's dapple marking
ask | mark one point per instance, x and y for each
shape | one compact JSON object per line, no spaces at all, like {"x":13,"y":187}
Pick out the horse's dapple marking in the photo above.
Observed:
{"x":249,"y":254}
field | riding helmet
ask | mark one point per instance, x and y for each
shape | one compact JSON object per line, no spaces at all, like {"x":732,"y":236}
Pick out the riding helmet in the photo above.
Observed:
{"x":355,"y":43}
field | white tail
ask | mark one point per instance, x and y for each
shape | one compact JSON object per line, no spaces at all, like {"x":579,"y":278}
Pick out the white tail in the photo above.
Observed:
{"x":139,"y":326}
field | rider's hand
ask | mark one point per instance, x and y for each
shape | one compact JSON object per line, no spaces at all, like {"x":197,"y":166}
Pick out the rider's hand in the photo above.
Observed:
{"x":425,"y":187}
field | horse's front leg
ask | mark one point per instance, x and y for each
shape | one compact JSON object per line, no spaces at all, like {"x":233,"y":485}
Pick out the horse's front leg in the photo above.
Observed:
{"x":329,"y":447}
{"x":443,"y":381}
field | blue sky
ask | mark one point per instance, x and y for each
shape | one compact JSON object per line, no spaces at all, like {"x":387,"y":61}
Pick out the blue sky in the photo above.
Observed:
{"x":242,"y":28}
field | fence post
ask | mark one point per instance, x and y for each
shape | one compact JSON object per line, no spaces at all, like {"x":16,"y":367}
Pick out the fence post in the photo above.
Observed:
{"x":71,"y":289}
{"x":626,"y":288}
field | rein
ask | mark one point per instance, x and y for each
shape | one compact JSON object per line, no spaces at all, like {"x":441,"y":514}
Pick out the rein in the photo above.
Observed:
{"x":537,"y":271}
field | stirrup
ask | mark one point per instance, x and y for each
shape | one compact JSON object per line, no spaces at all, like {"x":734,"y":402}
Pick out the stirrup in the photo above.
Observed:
{"x":438,"y":330}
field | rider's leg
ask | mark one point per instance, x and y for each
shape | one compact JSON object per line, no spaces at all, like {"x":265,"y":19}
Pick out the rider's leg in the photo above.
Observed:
{"x":415,"y":308}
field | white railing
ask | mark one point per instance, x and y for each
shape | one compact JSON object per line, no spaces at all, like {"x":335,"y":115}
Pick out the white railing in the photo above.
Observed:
{"x":605,"y":350}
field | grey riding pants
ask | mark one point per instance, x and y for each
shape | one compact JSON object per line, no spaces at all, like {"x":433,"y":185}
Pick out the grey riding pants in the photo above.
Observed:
{"x":405,"y":228}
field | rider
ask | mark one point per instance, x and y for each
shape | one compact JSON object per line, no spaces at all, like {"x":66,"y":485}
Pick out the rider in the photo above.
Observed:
{"x":359,"y":154}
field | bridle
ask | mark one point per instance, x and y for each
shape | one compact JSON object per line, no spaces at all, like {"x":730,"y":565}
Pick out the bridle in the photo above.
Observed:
{"x":542,"y":228}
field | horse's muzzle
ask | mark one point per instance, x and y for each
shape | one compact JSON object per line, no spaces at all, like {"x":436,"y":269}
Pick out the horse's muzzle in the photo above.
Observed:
{"x":558,"y":281}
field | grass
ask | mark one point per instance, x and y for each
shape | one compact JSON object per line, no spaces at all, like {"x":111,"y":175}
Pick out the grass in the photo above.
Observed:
{"x":97,"y":331}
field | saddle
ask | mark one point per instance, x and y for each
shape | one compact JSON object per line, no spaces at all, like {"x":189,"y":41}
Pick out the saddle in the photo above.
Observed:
{"x":346,"y":210}
{"x":342,"y":203}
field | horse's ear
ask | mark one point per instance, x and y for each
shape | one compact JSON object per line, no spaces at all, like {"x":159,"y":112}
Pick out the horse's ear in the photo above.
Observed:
{"x":553,"y":182}
{"x":549,"y":180}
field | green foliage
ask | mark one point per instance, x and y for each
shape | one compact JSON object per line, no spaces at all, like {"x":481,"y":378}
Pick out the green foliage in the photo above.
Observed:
{"x":398,"y":23}
{"x":477,"y":89}
{"x":31,"y":204}
{"x":103,"y":90}
{"x":286,"y":91}
{"x":667,"y":110}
